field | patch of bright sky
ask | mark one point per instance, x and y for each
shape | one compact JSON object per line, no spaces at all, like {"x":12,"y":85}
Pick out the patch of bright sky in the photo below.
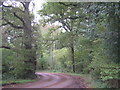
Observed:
{"x":36,"y":8}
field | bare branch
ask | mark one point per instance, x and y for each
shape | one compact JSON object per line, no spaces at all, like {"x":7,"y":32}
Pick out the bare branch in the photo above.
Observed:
{"x":12,"y":7}
{"x":23,"y":4}
{"x":65,"y":29}
{"x":19,"y":18}
{"x":64,"y":24}
{"x":4,"y":24}
{"x":7,"y":6}
{"x":6,"y":47}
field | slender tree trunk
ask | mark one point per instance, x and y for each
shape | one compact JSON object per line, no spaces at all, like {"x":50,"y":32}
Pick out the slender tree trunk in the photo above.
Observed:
{"x":72,"y":52}
{"x":41,"y":56}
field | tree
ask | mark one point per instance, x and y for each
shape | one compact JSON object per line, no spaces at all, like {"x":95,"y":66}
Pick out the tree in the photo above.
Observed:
{"x":21,"y":20}
{"x":105,"y":62}
{"x":66,"y":14}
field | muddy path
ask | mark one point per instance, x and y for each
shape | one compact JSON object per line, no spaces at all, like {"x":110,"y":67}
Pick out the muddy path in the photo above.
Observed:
{"x":53,"y":80}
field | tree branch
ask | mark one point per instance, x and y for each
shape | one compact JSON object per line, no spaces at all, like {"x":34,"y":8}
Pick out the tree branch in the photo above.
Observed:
{"x":65,"y":29}
{"x":19,"y":18}
{"x":4,"y":24}
{"x":23,"y":4}
{"x":7,"y":6}
{"x":12,"y":25}
{"x":64,"y":24}
{"x":6,"y":47}
{"x":68,"y":4}
{"x":12,"y":7}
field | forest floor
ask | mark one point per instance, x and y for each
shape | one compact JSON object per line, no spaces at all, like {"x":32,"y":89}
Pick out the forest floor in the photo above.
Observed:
{"x":53,"y":80}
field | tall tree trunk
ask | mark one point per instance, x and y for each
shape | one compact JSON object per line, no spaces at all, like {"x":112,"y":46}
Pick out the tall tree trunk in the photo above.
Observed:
{"x":30,"y":55}
{"x":118,"y":31}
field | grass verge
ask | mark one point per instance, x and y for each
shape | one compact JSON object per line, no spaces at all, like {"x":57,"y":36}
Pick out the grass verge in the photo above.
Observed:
{"x":20,"y":81}
{"x":89,"y":81}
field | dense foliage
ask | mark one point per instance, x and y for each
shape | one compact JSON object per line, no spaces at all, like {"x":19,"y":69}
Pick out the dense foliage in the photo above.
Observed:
{"x":93,"y":31}
{"x":72,"y":37}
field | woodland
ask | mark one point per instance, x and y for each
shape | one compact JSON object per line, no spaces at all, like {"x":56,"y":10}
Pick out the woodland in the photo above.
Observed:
{"x":70,"y":37}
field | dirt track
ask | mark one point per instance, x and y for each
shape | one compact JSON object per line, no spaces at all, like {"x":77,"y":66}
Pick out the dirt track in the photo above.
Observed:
{"x":53,"y":80}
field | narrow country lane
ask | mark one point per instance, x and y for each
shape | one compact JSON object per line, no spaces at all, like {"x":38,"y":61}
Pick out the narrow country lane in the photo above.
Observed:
{"x":52,"y":80}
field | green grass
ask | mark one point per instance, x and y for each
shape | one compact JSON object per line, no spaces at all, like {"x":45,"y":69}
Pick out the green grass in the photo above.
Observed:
{"x":89,"y":81}
{"x":5,"y":82}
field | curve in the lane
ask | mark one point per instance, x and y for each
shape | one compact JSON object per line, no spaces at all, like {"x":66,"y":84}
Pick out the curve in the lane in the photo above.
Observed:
{"x":67,"y":81}
{"x":42,"y":82}
{"x":50,"y":80}
{"x":38,"y":84}
{"x":53,"y":79}
{"x":58,"y":84}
